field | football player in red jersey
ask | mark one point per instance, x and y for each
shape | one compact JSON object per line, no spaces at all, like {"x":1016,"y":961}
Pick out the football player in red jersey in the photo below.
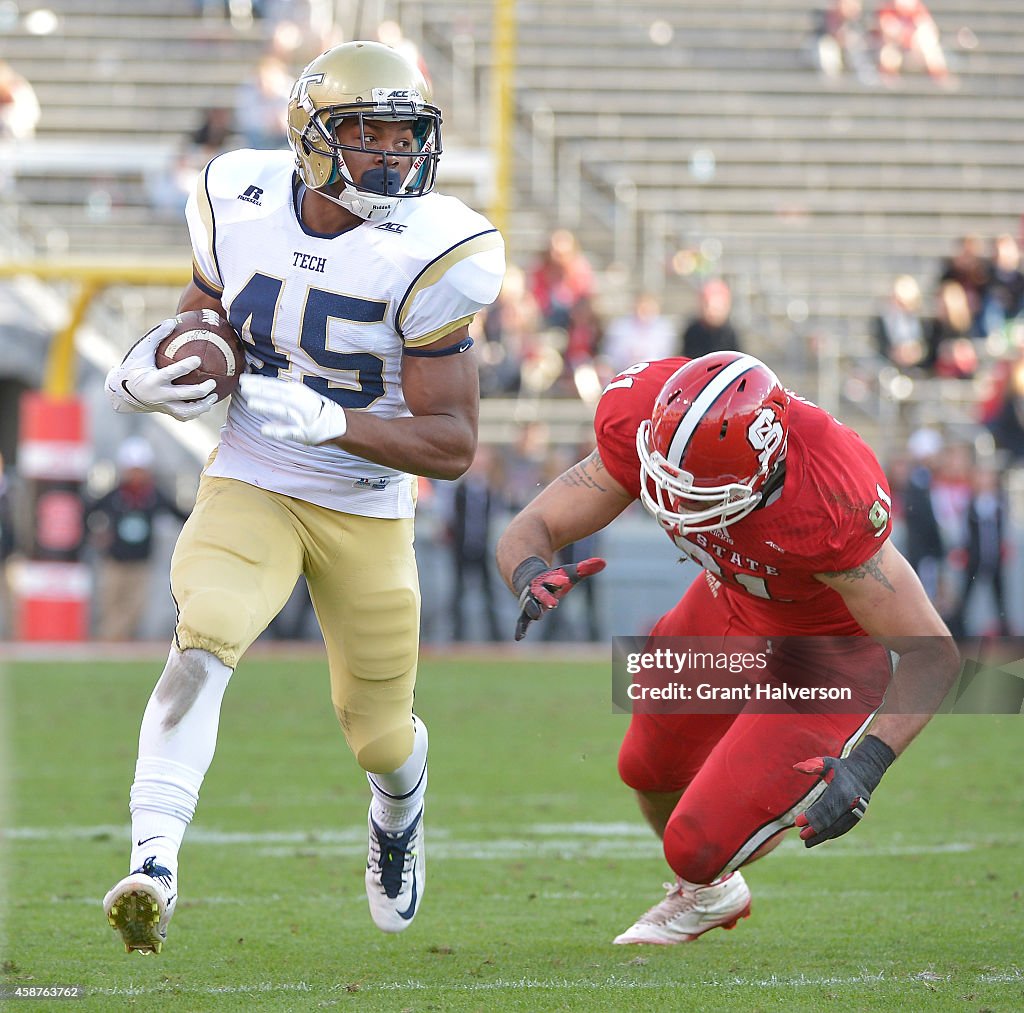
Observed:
{"x":787,"y":511}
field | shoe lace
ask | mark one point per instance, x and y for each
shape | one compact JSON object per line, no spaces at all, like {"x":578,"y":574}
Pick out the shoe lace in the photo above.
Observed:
{"x":390,"y":858}
{"x":159,"y":873}
{"x":677,"y":900}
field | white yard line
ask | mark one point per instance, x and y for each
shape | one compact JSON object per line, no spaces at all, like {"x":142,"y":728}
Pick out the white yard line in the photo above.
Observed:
{"x":552,"y":984}
{"x":553,"y":840}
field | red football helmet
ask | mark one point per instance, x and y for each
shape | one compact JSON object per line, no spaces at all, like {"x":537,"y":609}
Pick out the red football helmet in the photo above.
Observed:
{"x":718,"y":430}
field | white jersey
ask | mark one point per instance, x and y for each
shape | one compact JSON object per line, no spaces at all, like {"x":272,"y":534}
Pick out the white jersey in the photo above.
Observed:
{"x":332,"y":311}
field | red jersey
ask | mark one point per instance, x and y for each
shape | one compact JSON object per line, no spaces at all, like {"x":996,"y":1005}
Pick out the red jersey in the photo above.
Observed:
{"x":833,"y":512}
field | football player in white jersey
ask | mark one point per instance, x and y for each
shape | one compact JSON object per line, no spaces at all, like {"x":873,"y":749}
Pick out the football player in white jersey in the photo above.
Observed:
{"x":352,"y":285}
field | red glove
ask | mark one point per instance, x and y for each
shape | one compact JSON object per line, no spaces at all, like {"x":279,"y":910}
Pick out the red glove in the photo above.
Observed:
{"x":541,"y":587}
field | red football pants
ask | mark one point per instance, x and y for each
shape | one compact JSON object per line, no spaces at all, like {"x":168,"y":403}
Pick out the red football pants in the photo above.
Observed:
{"x":735,"y":770}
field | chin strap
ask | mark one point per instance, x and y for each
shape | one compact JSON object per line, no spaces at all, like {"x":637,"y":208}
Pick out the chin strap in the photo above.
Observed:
{"x":369,"y":206}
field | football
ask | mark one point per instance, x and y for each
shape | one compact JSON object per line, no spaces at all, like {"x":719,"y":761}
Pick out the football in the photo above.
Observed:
{"x":207,"y":334}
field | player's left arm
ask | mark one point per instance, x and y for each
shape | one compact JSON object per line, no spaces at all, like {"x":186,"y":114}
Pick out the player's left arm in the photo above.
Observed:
{"x":438,"y":441}
{"x":885,"y":597}
{"x":443,"y":394}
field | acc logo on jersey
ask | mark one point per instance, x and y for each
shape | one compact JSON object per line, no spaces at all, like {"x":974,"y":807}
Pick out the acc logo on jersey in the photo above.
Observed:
{"x":765,"y":434}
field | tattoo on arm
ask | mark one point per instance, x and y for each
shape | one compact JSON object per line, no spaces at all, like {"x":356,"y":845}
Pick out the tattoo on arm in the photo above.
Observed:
{"x":587,"y":473}
{"x":872,"y":568}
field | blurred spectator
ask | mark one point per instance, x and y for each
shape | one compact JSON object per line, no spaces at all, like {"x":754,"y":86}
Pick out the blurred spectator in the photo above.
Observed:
{"x":951,"y":494}
{"x":121,"y":523}
{"x":510,"y":329}
{"x":474,"y":506}
{"x":214,"y":133}
{"x":843,"y":41}
{"x":711,"y":330}
{"x":985,"y":549}
{"x":1002,"y":298}
{"x":6,"y":548}
{"x":562,"y":284}
{"x":261,"y":104}
{"x":525,"y":464}
{"x":585,"y":330}
{"x":561,"y":279}
{"x":1004,"y":414}
{"x":925,"y":550}
{"x":909,"y":40}
{"x":968,"y":266}
{"x":899,"y":330}
{"x":170,"y":188}
{"x":642,"y":335}
{"x":19,"y":107}
{"x":950,"y":333}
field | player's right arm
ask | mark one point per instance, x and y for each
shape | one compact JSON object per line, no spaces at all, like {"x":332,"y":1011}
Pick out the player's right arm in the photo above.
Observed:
{"x":578,"y":503}
{"x":136,"y":385}
{"x":582,"y":500}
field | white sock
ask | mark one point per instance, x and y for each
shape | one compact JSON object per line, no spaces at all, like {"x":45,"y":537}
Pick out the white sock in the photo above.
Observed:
{"x":176,"y":746}
{"x":163,"y":802}
{"x":398,"y":796}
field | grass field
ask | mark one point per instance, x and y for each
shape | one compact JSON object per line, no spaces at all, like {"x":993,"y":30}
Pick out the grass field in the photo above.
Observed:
{"x":536,"y":859}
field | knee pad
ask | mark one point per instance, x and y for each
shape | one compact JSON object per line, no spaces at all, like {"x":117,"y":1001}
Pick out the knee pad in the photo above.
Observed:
{"x":382,"y":636}
{"x":386,"y":751}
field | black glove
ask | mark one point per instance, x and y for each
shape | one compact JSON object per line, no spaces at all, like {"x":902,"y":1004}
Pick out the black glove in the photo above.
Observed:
{"x":850,"y":783}
{"x":541,"y":586}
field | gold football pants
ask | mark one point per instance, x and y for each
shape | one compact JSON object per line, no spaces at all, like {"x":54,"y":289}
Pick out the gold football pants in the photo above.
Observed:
{"x":235,"y":564}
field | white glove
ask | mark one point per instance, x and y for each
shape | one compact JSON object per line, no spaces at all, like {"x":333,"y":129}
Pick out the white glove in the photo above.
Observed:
{"x":136,"y":385}
{"x":296,"y":412}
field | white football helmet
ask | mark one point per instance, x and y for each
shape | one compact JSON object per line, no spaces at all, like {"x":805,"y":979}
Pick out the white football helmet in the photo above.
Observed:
{"x":368,"y":81}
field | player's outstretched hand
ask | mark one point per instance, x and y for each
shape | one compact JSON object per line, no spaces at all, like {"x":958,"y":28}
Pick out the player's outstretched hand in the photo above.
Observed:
{"x":136,"y":385}
{"x":541,"y":587}
{"x":295,"y":412}
{"x":850,"y":783}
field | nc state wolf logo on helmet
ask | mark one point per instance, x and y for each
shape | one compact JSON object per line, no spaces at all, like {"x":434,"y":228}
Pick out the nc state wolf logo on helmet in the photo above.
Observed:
{"x":766,"y":435}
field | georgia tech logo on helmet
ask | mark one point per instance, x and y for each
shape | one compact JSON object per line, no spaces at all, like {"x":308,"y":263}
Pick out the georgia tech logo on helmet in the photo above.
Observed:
{"x":766,"y":435}
{"x":300,"y":91}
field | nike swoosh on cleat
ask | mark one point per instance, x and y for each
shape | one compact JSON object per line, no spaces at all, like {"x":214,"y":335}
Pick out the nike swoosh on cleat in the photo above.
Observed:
{"x":407,"y":914}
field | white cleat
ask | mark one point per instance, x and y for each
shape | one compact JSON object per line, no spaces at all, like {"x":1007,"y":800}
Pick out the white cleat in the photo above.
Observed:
{"x":395,"y":871}
{"x":689,"y":910}
{"x":141,"y":905}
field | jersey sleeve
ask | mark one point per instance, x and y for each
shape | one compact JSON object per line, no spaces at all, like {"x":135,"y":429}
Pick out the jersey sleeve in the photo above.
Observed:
{"x":625,"y":403}
{"x":200,"y":220}
{"x":447,"y":293}
{"x":861,"y":511}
